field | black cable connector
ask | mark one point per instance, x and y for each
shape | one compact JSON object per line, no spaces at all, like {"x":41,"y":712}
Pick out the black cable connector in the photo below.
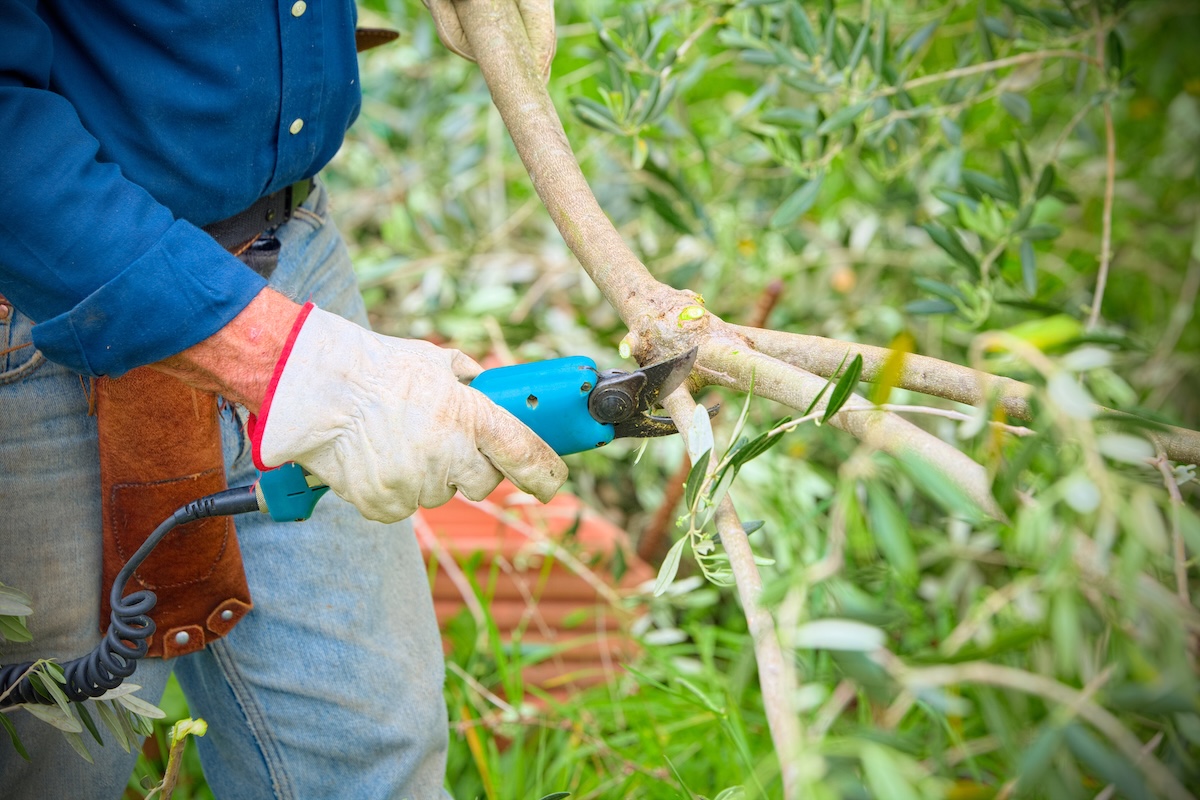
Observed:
{"x":130,"y":627}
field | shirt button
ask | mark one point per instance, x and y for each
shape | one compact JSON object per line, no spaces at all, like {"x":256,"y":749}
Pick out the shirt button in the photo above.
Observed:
{"x":297,"y":125}
{"x":299,"y":7}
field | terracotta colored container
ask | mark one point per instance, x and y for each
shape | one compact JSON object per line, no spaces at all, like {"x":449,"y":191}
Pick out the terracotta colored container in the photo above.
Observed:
{"x":544,"y":572}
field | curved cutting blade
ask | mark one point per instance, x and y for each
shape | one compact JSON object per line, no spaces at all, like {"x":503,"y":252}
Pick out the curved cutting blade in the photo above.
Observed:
{"x":665,"y":377}
{"x":641,"y":391}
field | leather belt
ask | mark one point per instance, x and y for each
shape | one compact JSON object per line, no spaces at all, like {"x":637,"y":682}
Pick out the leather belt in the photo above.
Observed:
{"x":238,"y":232}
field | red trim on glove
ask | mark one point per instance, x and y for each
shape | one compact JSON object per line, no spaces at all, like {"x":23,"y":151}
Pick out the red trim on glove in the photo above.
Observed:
{"x":258,"y":423}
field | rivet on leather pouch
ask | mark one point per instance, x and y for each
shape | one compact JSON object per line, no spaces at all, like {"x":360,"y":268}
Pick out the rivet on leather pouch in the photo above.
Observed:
{"x":226,"y":615}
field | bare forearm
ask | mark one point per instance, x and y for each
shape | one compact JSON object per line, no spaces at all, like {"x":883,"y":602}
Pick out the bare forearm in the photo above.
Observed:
{"x":237,"y":361}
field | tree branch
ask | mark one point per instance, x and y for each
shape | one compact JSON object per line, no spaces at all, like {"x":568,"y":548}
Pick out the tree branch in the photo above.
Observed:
{"x":796,"y":388}
{"x":1110,"y":158}
{"x":1110,"y":171}
{"x":986,"y":66}
{"x":651,"y":309}
{"x":934,"y":377}
{"x":1178,"y":547}
{"x":776,"y":672}
{"x":498,"y":39}
{"x":920,"y":373}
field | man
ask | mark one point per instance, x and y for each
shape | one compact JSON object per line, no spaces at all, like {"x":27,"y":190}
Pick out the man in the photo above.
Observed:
{"x":124,"y":127}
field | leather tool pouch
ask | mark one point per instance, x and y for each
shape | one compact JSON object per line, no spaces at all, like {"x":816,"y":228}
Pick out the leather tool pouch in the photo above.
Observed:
{"x":160,"y":448}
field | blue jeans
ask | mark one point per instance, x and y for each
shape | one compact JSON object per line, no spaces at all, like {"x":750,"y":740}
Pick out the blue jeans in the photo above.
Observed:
{"x":330,"y":687}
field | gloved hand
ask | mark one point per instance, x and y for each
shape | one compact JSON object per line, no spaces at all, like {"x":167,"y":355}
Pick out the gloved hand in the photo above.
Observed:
{"x":538,"y":16}
{"x":385,"y":423}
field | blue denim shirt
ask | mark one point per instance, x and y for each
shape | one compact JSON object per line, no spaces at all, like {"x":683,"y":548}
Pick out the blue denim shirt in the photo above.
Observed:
{"x":123,"y":126}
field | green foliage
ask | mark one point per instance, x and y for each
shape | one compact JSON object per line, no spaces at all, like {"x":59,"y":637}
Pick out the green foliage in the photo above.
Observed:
{"x":924,"y":170}
{"x":126,"y":717}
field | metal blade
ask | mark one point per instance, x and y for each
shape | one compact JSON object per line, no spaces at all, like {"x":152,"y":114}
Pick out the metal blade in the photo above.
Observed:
{"x":647,"y":426}
{"x":619,"y":396}
{"x":624,"y":399}
{"x":665,"y":377}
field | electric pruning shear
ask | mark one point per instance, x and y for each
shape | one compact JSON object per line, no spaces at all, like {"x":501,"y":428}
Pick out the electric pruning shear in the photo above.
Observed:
{"x":573,"y":406}
{"x":570,"y":403}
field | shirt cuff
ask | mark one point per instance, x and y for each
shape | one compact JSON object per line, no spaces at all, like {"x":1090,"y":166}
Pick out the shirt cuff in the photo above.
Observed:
{"x":181,"y":291}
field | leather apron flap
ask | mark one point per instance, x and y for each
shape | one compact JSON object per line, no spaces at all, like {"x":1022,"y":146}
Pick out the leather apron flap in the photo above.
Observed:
{"x":160,"y":448}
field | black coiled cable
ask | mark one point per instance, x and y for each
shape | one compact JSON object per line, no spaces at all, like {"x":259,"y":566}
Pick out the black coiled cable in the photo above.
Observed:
{"x":115,"y":658}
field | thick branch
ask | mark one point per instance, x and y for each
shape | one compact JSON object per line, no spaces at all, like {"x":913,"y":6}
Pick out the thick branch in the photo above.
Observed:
{"x":934,"y":377}
{"x":920,"y":373}
{"x":499,"y":40}
{"x":733,"y":367}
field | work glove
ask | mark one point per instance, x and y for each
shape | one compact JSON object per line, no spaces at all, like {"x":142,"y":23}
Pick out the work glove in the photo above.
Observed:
{"x":387,"y":425}
{"x":538,"y":16}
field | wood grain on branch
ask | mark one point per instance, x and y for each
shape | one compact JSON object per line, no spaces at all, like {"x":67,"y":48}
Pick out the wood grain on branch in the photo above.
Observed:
{"x":653,"y":543}
{"x":505,"y":59}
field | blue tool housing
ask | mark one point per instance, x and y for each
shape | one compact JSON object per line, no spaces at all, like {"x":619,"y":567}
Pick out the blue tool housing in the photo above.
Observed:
{"x":288,"y":493}
{"x":551,"y":397}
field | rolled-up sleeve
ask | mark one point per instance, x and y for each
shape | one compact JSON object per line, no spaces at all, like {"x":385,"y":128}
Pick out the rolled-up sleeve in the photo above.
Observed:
{"x":111,"y":278}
